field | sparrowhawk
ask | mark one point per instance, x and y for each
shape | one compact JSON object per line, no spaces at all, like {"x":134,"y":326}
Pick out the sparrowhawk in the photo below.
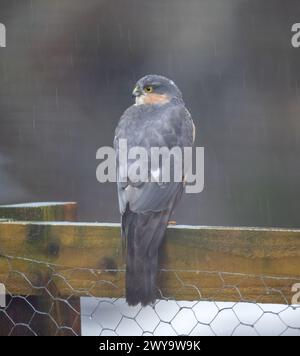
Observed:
{"x":158,"y":118}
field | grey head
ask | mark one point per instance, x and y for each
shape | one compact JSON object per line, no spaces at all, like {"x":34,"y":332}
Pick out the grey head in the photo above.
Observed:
{"x":156,"y":89}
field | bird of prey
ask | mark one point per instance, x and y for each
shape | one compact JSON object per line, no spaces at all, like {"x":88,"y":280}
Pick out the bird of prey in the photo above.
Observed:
{"x":158,"y":118}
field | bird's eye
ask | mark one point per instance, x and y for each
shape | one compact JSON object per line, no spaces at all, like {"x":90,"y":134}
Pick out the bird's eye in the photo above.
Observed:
{"x":148,"y":89}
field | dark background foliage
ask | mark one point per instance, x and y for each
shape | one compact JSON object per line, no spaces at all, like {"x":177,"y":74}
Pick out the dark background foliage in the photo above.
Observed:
{"x":67,"y":74}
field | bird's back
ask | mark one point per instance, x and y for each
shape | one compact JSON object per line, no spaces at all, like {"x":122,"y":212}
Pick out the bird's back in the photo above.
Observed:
{"x":146,"y":207}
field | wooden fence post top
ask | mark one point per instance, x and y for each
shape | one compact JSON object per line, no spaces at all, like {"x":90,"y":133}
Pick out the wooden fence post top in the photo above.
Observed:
{"x":50,"y":211}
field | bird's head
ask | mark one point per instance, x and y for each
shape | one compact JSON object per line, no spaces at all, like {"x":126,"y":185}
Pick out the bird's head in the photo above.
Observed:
{"x":155,"y":89}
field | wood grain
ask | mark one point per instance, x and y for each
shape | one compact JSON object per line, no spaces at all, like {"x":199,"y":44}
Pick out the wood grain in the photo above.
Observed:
{"x":209,"y":263}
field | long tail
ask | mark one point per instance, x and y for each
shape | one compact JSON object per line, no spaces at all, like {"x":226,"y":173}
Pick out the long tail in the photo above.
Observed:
{"x":144,"y":234}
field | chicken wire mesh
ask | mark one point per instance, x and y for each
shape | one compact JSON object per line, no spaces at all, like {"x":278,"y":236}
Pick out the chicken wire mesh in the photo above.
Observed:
{"x":48,"y":299}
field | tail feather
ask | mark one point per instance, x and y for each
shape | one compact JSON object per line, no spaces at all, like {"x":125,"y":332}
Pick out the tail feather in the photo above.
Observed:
{"x":144,"y":234}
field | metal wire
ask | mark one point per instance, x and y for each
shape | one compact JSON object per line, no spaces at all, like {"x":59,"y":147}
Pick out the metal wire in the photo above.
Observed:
{"x":43,"y":310}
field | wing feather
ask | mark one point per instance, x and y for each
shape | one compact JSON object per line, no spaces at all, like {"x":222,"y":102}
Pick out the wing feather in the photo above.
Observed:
{"x":170,"y":127}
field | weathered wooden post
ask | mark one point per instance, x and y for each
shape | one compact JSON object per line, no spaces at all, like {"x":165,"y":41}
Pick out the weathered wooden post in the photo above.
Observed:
{"x":45,"y":311}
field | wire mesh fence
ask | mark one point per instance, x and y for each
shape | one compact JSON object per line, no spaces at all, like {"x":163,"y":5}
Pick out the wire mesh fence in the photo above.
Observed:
{"x":49,"y":299}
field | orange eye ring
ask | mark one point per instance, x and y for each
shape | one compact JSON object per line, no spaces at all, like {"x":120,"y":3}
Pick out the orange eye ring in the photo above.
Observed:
{"x":148,"y":89}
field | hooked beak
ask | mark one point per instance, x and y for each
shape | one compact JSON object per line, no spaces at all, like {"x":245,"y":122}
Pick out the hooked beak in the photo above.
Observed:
{"x":137,"y":91}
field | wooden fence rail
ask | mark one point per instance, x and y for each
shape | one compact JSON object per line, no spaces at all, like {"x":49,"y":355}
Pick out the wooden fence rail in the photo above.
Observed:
{"x":196,"y":262}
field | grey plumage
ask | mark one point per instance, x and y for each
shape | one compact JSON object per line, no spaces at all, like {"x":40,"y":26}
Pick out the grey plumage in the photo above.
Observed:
{"x":146,"y":207}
